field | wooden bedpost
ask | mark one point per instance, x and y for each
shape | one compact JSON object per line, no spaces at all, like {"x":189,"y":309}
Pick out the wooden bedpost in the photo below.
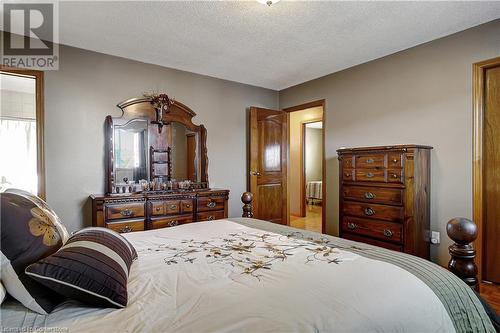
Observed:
{"x":247,"y":198}
{"x":463,"y":232}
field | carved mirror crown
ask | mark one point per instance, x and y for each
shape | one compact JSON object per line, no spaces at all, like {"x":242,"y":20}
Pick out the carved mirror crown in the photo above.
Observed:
{"x":151,"y":149}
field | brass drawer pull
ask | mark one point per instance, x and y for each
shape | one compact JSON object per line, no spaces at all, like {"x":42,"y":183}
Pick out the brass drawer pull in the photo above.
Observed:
{"x":126,"y":212}
{"x":187,"y":205}
{"x":173,"y":206}
{"x":173,"y":223}
{"x":211,"y":217}
{"x":347,"y":174}
{"x":370,"y":160}
{"x":394,"y":175}
{"x":211,"y":204}
{"x":369,"y":174}
{"x":351,"y":226}
{"x":388,"y":233}
{"x":369,"y":195}
{"x":395,"y":161}
{"x":158,"y":209}
{"x":369,"y":211}
{"x":125,"y":229}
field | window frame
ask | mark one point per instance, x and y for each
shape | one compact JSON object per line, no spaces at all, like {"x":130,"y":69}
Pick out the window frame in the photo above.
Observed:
{"x":39,"y":112}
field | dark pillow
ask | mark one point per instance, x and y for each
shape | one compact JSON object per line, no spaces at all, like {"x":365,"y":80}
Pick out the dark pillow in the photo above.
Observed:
{"x":92,"y":267}
{"x":30,"y":231}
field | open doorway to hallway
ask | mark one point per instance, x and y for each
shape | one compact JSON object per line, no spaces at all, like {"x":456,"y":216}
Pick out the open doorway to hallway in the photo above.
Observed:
{"x":306,"y":167}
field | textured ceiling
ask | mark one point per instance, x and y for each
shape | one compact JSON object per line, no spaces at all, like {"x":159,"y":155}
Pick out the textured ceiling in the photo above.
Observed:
{"x":273,"y":47}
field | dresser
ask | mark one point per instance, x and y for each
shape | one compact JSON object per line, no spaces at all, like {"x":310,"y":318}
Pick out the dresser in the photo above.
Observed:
{"x":138,"y":212}
{"x":385,"y":197}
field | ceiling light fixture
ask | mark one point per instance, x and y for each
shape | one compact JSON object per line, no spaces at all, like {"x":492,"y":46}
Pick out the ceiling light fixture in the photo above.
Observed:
{"x":268,"y":2}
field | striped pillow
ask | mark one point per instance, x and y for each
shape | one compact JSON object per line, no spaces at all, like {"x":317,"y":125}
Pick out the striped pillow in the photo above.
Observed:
{"x":92,"y":267}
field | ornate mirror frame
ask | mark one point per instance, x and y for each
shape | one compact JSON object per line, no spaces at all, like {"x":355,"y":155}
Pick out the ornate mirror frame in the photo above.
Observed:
{"x":142,"y":108}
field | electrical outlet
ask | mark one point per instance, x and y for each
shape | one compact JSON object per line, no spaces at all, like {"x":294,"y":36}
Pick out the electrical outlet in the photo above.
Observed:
{"x":435,"y":237}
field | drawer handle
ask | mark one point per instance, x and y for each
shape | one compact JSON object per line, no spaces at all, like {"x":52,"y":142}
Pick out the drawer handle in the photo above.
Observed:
{"x":369,"y":195}
{"x":388,"y":233}
{"x":369,"y":174}
{"x":173,"y":206}
{"x":370,"y":161}
{"x":187,"y":205}
{"x":351,"y":226}
{"x":211,"y":218}
{"x":347,"y":174}
{"x":173,"y":223}
{"x":369,"y":211}
{"x":395,"y":160}
{"x":158,"y":209}
{"x":125,"y":229}
{"x":394,"y":175}
{"x":211,"y":204}
{"x":126,"y":212}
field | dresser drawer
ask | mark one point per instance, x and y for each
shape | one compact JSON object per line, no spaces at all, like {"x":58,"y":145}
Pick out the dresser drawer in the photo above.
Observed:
{"x":371,"y":241}
{"x":165,"y":222}
{"x":347,"y":161}
{"x":157,"y":208}
{"x":391,"y":196}
{"x":126,"y":210}
{"x":370,"y":175}
{"x":186,"y":206}
{"x":373,"y":211}
{"x":207,"y":203}
{"x":370,"y":161}
{"x":395,"y":176}
{"x":209,"y":216}
{"x":348,"y":175}
{"x":386,"y":231}
{"x":172,"y":207}
{"x":395,"y":160}
{"x":126,"y":226}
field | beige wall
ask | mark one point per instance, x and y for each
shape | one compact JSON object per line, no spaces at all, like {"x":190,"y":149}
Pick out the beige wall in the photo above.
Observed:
{"x":295,"y":177}
{"x":421,"y":95}
{"x":88,"y":86}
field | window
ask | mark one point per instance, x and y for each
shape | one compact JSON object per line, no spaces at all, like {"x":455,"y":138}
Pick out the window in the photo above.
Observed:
{"x":21,"y":131}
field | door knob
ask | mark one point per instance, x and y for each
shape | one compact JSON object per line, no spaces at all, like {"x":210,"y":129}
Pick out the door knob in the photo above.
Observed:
{"x":254,"y":173}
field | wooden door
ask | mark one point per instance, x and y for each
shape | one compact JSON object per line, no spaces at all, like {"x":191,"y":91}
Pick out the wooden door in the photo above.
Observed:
{"x":268,"y":143}
{"x":491,"y":182}
{"x":191,"y":157}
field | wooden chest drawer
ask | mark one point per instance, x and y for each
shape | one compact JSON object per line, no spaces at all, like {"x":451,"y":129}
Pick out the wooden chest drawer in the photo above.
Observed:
{"x":157,"y":208}
{"x":395,"y":176}
{"x":209,"y":216}
{"x":348,"y":175}
{"x":347,"y":161}
{"x":186,"y":206}
{"x":126,"y":210}
{"x":371,"y":241}
{"x":373,"y":211}
{"x":370,"y":161}
{"x":126,"y":226}
{"x":395,"y":160}
{"x":390,"y":196}
{"x":165,"y":222}
{"x":172,"y":207}
{"x":386,"y":231}
{"x":370,"y":175}
{"x":208,"y":203}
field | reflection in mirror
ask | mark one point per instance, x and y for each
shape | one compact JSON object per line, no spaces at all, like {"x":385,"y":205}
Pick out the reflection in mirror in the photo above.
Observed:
{"x":131,"y":159}
{"x":185,"y":153}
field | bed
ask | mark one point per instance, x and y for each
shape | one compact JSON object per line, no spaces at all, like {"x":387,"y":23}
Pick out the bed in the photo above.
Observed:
{"x":249,"y":275}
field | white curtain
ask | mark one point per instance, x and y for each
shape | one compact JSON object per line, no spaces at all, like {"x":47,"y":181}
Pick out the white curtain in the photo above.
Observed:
{"x":18,"y":154}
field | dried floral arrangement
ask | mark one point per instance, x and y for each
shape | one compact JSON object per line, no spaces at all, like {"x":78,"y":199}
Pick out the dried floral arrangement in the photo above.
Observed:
{"x":160,"y":101}
{"x":250,"y":253}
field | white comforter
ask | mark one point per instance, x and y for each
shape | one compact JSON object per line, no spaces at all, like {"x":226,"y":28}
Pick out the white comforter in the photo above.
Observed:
{"x":223,"y":277}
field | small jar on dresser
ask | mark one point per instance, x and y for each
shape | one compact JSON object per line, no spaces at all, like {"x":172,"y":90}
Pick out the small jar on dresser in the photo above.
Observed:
{"x":385,"y":197}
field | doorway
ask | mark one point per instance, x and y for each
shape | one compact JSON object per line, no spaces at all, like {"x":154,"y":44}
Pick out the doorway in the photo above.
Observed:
{"x":486,"y":167}
{"x":306,"y":167}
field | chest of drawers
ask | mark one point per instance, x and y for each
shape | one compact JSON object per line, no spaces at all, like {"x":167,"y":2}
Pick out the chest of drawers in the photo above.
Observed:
{"x":385,"y":197}
{"x":137,"y":212}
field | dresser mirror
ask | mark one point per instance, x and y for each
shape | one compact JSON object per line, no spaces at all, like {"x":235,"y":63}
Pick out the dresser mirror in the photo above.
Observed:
{"x":147,"y":154}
